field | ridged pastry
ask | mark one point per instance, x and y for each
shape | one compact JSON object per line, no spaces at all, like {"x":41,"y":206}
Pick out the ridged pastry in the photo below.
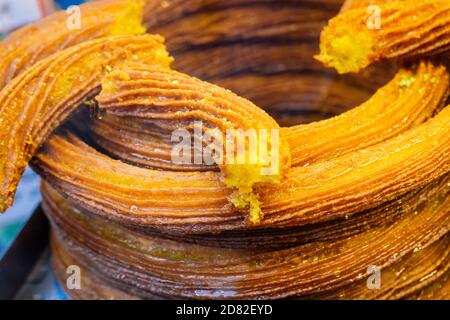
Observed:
{"x":26,"y":46}
{"x":148,"y":265}
{"x":411,"y":29}
{"x":37,"y":101}
{"x":342,"y":186}
{"x":393,"y":109}
{"x":367,"y":188}
{"x":175,"y":100}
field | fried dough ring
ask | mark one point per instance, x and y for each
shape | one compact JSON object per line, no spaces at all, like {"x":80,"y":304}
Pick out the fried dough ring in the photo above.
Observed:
{"x":390,"y":111}
{"x":308,"y":194}
{"x":177,"y":269}
{"x":373,"y":194}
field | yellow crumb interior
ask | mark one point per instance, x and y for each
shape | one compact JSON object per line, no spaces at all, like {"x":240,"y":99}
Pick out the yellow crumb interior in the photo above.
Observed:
{"x":243,"y":177}
{"x":248,"y":201}
{"x":345,"y":50}
{"x":110,"y":83}
{"x":75,"y":75}
{"x":129,"y":21}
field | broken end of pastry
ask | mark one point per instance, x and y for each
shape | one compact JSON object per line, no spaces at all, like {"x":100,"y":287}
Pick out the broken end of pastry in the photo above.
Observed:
{"x":6,"y":203}
{"x":130,"y":20}
{"x":3,"y":206}
{"x":345,"y":49}
{"x":7,"y":199}
{"x":268,"y":167}
{"x":243,"y":178}
{"x":246,"y":200}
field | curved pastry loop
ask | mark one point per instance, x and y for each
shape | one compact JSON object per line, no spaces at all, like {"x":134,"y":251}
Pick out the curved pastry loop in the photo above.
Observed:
{"x":393,"y":109}
{"x":367,"y":187}
{"x":380,"y":173}
{"x":192,"y":270}
{"x":21,"y":54}
{"x":36,"y":102}
{"x":34,"y":42}
{"x":166,"y":96}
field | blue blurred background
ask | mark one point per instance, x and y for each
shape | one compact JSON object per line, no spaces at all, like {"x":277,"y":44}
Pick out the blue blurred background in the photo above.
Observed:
{"x":65,"y":3}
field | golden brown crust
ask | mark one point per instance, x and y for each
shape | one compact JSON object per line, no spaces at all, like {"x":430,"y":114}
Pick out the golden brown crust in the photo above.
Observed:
{"x":327,"y":267}
{"x":37,"y":101}
{"x":367,"y":188}
{"x":411,"y":29}
{"x":365,"y":179}
{"x":392,"y":110}
{"x":34,"y":42}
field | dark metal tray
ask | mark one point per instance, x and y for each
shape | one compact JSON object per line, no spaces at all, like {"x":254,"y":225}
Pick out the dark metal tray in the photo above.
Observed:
{"x":22,"y":256}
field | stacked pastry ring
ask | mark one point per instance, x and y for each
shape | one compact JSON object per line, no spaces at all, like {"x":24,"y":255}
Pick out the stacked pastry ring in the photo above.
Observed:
{"x":366,"y":189}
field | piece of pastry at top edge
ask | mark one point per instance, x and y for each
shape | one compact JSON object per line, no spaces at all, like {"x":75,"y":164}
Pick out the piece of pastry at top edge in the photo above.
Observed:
{"x":409,"y":99}
{"x":36,"y":41}
{"x":357,"y":38}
